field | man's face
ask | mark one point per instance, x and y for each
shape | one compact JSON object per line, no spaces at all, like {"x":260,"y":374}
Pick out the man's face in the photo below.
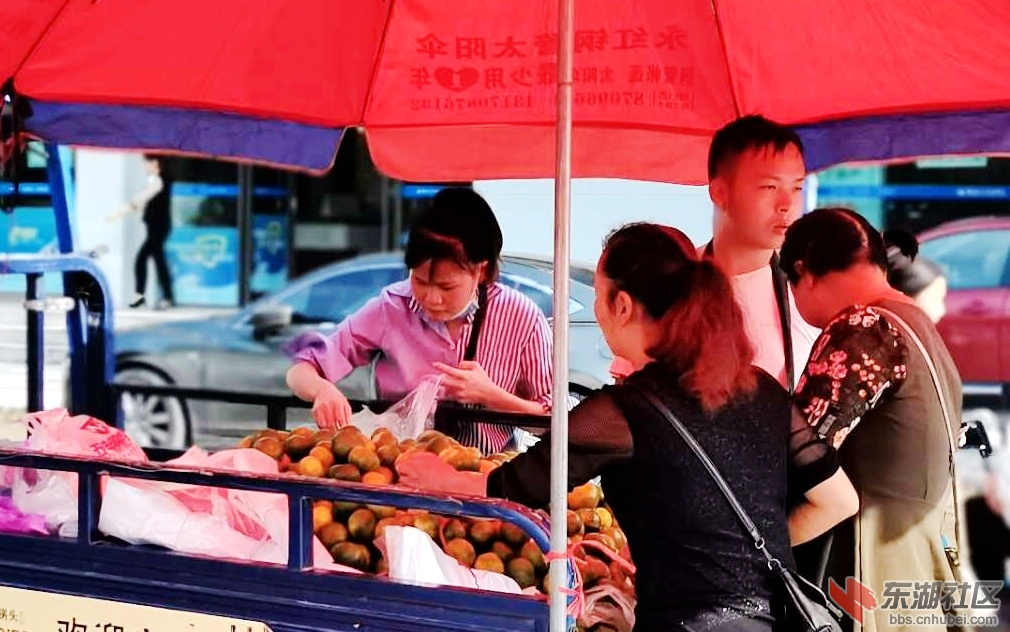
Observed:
{"x":760,"y":194}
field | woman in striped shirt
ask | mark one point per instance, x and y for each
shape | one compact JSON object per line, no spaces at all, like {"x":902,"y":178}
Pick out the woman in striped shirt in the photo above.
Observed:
{"x":491,"y":343}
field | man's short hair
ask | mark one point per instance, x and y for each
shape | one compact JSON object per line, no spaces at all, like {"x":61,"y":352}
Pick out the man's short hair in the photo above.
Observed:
{"x":744,"y":134}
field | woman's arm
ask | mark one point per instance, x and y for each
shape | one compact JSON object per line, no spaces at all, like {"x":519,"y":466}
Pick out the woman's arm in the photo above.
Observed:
{"x":321,"y":361}
{"x":305,"y":382}
{"x":824,"y":506}
{"x":825,"y":494}
{"x":598,"y":436}
{"x":153,"y":187}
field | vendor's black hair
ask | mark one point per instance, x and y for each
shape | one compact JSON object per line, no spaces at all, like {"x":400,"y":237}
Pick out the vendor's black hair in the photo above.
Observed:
{"x":459,"y":227}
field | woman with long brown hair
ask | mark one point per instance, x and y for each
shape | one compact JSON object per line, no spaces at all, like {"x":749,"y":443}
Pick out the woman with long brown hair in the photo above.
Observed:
{"x":675,"y":319}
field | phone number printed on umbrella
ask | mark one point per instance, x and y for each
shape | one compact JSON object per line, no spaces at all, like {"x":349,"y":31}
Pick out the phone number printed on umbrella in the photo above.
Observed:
{"x":662,"y":99}
{"x":513,"y":101}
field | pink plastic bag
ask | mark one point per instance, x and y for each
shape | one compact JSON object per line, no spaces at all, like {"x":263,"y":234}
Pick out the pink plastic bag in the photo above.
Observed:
{"x":52,"y":494}
{"x":203,"y":520}
{"x":12,"y":520}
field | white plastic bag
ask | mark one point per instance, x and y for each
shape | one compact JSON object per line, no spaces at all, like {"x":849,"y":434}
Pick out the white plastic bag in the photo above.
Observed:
{"x":414,"y":557}
{"x":407,"y":418}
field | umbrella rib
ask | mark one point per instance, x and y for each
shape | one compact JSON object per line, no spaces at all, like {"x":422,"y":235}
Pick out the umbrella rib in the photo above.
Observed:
{"x":378,"y":60}
{"x":725,"y":56}
{"x":38,"y":40}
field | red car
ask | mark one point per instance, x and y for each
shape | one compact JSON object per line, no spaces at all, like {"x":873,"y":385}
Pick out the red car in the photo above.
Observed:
{"x":975,"y":253}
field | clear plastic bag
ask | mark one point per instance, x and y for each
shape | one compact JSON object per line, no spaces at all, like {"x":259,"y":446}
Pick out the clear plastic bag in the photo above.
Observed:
{"x":407,"y":418}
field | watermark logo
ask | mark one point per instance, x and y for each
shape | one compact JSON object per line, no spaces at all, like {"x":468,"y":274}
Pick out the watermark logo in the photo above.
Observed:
{"x":942,"y":603}
{"x":853,"y":599}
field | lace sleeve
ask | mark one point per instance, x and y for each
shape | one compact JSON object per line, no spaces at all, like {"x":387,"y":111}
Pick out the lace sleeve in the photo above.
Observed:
{"x":598,"y":436}
{"x":812,"y":460}
{"x":858,"y":358}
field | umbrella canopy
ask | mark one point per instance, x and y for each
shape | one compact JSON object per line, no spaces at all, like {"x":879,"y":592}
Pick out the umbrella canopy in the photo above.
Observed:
{"x":453,"y":90}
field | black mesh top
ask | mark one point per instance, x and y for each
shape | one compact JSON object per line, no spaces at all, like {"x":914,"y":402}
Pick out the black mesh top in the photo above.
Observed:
{"x":691,"y":552}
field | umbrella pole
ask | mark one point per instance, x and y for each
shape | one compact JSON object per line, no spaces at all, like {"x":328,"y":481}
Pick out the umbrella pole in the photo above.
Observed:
{"x":559,"y":413}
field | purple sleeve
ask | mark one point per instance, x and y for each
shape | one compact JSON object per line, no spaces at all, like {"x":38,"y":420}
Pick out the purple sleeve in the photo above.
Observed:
{"x":353,"y":344}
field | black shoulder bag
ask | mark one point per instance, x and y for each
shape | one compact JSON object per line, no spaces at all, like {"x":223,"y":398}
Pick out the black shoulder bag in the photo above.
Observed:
{"x":807,"y":608}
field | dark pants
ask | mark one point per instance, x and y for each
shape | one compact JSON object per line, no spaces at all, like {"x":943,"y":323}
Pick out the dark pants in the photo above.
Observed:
{"x":988,"y":540}
{"x":154,"y":247}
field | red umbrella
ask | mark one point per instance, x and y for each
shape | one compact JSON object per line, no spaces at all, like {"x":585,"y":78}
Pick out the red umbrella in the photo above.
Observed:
{"x":460,"y":90}
{"x":467,"y":89}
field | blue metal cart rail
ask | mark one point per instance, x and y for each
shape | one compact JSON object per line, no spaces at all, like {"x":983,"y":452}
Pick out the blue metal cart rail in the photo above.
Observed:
{"x":292,"y":598}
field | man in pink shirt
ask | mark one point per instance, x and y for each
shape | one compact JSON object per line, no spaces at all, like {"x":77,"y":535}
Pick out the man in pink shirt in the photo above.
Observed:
{"x":756,"y":173}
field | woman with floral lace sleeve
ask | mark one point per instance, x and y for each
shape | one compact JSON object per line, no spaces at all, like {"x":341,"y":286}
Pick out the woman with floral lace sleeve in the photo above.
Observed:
{"x":856,"y":360}
{"x":868,"y":389}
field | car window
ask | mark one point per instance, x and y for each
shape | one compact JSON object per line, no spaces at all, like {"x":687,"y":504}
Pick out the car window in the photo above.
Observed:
{"x":585,"y":276}
{"x":972,"y":260}
{"x":334,"y":298}
{"x":541,"y":295}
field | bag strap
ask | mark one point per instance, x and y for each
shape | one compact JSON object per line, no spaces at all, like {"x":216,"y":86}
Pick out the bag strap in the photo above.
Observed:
{"x":780,"y":284}
{"x":773,"y":563}
{"x":478,"y":322}
{"x":911,"y":335}
{"x":934,"y":374}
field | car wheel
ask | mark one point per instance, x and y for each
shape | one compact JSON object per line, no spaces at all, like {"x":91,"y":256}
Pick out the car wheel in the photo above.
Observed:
{"x":152,"y":421}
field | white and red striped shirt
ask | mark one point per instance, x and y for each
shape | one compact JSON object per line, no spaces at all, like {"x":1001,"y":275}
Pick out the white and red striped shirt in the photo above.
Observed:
{"x":514,"y":348}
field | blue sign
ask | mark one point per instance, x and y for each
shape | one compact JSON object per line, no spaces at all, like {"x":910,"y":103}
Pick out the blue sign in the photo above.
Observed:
{"x":917,"y":191}
{"x":197,"y":189}
{"x":28,"y":230}
{"x":204,"y":265}
{"x":25,"y":188}
{"x":420,"y":191}
{"x":270,"y":253}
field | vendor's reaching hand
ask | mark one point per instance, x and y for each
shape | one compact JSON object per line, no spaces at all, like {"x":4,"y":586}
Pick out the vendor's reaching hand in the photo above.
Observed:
{"x":425,"y":471}
{"x":330,"y":409}
{"x":468,"y":383}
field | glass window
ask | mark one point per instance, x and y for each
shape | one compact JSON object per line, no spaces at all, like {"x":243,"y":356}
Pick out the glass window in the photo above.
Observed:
{"x":972,"y":260}
{"x":335,"y":298}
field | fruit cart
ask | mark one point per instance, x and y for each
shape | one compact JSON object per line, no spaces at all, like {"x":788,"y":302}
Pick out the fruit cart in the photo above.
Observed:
{"x":93,"y":582}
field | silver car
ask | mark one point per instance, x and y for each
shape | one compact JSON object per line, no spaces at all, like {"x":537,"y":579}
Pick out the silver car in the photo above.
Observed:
{"x":243,"y":352}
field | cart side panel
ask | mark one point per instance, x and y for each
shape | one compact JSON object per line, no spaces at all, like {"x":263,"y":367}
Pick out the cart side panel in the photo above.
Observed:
{"x":286,"y":601}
